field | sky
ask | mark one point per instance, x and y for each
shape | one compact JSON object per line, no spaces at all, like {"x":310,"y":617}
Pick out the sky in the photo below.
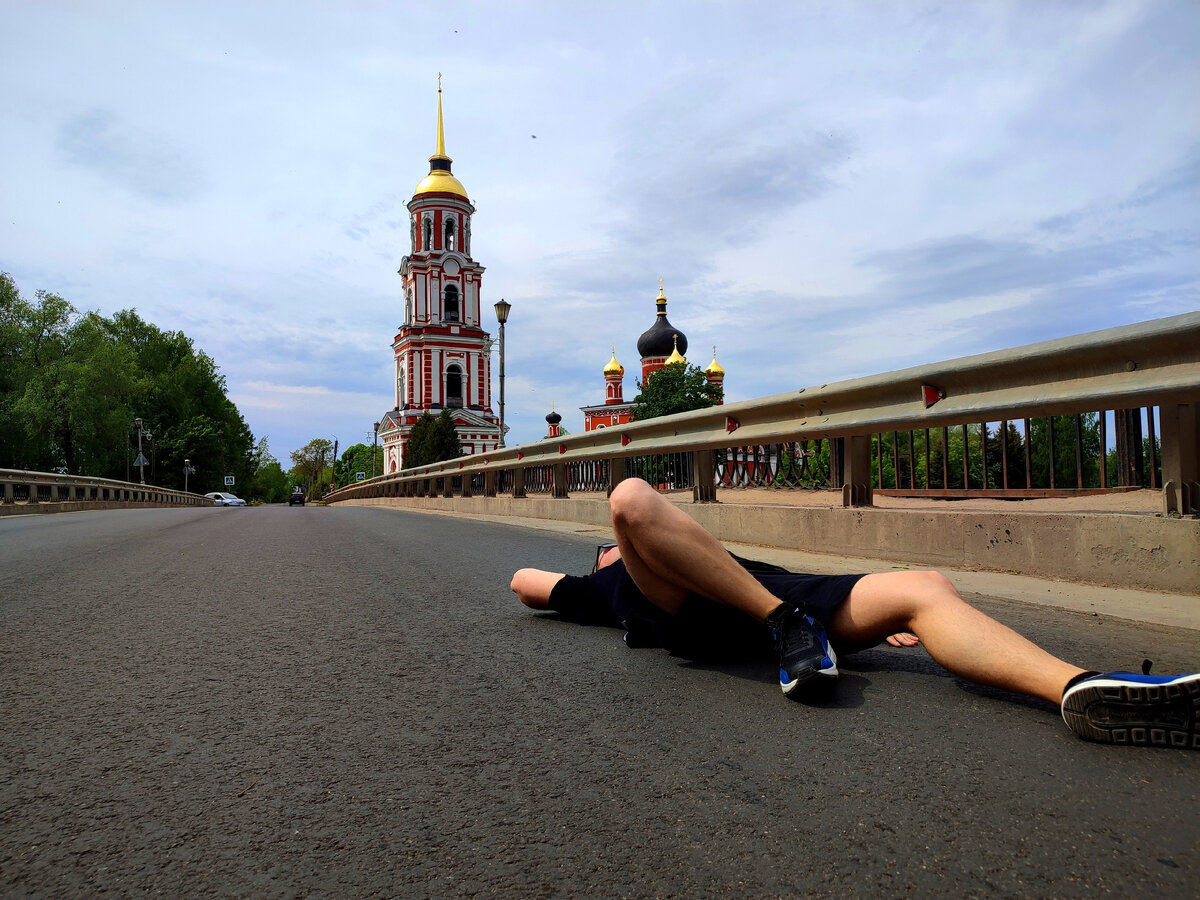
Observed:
{"x":828,"y":190}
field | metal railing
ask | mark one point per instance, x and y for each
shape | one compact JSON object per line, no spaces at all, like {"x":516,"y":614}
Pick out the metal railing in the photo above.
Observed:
{"x":782,"y":439}
{"x":22,"y":488}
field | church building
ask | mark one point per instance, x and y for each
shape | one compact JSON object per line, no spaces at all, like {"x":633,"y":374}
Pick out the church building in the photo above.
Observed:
{"x":662,"y":344}
{"x":442,"y":351}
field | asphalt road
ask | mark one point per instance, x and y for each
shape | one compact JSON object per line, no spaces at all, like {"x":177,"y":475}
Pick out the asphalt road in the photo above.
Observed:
{"x":279,"y":702}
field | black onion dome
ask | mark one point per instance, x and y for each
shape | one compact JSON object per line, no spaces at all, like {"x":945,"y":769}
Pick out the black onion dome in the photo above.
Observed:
{"x":659,"y":339}
{"x":554,"y":418}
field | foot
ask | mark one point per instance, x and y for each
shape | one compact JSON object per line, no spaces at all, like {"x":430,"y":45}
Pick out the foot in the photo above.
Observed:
{"x":804,"y":651}
{"x":1125,"y":708}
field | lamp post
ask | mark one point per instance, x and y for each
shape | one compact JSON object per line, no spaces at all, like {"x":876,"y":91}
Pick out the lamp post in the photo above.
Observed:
{"x":187,"y":470}
{"x":374,"y":450}
{"x":333,"y":467}
{"x":140,"y":462}
{"x":502,"y":311}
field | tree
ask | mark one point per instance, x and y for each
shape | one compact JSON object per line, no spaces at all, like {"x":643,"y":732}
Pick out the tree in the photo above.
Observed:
{"x":71,"y":386}
{"x":676,"y":388}
{"x":432,"y":440}
{"x":357,"y":458}
{"x":309,"y":464}
{"x":269,"y":482}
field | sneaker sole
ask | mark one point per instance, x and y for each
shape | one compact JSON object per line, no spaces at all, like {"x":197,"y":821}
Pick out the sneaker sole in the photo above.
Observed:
{"x":1119,"y":712}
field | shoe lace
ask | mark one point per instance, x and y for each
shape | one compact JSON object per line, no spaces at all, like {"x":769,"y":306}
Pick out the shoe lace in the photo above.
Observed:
{"x":795,"y":639}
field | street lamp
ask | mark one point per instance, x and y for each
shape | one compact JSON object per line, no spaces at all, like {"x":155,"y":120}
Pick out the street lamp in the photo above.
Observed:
{"x":502,"y":311}
{"x":187,"y":470}
{"x":140,"y":462}
{"x":374,"y":450}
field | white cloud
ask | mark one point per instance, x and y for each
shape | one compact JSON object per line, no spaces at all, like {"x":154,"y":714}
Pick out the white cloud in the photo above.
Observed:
{"x":852,"y":189}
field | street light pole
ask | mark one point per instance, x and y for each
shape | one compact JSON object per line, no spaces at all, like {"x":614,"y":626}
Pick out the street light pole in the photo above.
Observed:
{"x":502,"y":310}
{"x":187,"y":470}
{"x":141,"y":460}
{"x":374,"y":450}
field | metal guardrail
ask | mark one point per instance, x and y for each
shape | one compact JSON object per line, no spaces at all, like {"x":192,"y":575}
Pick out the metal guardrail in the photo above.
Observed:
{"x":22,"y":488}
{"x":1155,"y":363}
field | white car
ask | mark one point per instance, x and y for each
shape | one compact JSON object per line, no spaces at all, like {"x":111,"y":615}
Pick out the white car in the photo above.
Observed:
{"x":220,"y":498}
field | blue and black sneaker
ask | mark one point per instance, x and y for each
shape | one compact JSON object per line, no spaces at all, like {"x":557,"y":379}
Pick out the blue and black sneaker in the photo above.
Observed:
{"x":804,"y":651}
{"x":1127,"y":708}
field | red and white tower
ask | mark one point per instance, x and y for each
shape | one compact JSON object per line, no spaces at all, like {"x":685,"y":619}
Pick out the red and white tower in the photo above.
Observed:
{"x":442,"y":352}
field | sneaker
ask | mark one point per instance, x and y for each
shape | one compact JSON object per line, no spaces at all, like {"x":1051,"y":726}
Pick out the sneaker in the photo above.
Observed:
{"x":804,"y":651}
{"x":1126,"y":708}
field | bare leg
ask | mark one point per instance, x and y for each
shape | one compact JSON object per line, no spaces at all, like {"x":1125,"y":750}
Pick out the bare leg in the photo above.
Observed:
{"x":668,"y":554}
{"x":957,"y":635}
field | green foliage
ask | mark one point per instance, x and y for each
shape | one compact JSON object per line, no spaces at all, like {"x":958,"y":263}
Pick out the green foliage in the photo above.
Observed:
{"x":310,"y":466}
{"x":357,"y":458}
{"x":674,"y":389}
{"x":71,"y":386}
{"x":432,"y":440}
{"x":270,"y":483}
{"x":946,"y":456}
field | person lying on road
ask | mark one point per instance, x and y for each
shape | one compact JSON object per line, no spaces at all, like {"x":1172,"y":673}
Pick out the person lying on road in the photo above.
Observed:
{"x":671,"y":584}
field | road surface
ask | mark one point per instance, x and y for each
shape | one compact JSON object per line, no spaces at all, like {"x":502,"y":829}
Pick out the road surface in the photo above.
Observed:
{"x":321,"y":701}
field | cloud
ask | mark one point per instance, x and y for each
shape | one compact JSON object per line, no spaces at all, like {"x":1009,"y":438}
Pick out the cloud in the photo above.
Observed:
{"x":143,"y":164}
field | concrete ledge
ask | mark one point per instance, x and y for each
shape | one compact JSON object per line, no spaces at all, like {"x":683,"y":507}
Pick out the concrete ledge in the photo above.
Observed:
{"x":48,"y":506}
{"x":1124,"y":551}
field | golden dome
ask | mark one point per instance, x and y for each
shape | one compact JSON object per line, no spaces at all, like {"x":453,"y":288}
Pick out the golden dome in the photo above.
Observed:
{"x":614,"y":367}
{"x":441,"y":183}
{"x":714,"y":367}
{"x":675,"y":356}
{"x":439,"y":180}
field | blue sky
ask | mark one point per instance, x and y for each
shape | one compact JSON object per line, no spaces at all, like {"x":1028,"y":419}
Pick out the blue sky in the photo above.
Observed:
{"x":827,"y":189}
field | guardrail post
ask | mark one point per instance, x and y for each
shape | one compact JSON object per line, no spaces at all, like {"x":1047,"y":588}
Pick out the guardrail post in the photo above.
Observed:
{"x":448,"y":486}
{"x":1180,"y":426}
{"x":616,"y":471}
{"x":466,"y":486}
{"x":856,"y":490}
{"x":559,"y":488}
{"x":519,"y":483}
{"x":8,"y":492}
{"x":705,"y":488}
{"x":489,"y":483}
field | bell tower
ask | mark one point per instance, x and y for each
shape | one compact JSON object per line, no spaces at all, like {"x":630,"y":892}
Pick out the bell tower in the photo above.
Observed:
{"x":442,"y":352}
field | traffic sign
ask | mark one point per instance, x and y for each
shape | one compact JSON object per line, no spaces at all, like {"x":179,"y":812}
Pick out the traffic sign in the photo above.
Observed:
{"x":140,"y":461}
{"x":361,"y":476}
{"x":228,"y":481}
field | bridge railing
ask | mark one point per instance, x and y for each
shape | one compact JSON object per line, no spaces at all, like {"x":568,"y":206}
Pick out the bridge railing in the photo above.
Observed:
{"x":773,"y":439}
{"x":25,"y":489}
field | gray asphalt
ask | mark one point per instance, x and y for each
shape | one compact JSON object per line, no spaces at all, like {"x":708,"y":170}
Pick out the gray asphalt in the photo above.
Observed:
{"x":279,"y":702}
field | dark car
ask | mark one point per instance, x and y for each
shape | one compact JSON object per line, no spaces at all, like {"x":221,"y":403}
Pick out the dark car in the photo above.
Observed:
{"x":296,"y":497}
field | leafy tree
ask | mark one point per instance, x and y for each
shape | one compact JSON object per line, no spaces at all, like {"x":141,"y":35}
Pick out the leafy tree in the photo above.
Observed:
{"x":357,"y":458}
{"x":309,"y":464}
{"x":71,"y":386}
{"x":269,"y":482}
{"x":676,"y":388}
{"x":432,"y":440}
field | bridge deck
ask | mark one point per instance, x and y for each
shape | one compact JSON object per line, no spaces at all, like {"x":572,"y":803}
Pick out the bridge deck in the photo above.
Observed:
{"x":348,"y":701}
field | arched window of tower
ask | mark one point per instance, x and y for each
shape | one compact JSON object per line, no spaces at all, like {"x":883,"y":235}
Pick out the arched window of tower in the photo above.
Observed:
{"x":428,"y":234}
{"x":451,"y":303}
{"x":454,"y":387}
{"x":448,"y":243}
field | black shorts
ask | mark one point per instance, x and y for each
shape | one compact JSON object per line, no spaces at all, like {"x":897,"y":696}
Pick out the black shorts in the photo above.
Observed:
{"x":706,"y":629}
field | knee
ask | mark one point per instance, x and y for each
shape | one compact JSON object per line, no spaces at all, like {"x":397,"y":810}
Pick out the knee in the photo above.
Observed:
{"x":630,"y":501}
{"x":933,"y":590}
